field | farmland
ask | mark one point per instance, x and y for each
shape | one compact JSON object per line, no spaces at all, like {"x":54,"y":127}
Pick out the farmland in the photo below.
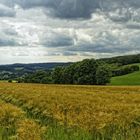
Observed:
{"x":64,"y":112}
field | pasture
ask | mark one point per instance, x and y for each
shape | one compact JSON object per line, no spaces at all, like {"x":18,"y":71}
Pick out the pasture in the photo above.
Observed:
{"x":132,"y":79}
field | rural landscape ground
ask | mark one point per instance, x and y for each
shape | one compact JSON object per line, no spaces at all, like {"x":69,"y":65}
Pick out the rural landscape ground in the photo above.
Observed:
{"x":38,"y":103}
{"x":68,"y":112}
{"x":69,"y":69}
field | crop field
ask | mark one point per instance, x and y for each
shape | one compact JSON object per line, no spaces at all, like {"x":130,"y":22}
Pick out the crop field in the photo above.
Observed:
{"x":60,"y":112}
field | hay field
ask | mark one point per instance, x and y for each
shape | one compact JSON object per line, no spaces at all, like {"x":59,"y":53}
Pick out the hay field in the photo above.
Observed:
{"x":64,"y":112}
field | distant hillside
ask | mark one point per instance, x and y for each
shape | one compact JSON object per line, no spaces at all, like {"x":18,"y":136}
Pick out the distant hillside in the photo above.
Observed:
{"x":122,"y":60}
{"x":16,"y":70}
{"x":117,"y":65}
{"x":31,"y":67}
{"x":128,"y":79}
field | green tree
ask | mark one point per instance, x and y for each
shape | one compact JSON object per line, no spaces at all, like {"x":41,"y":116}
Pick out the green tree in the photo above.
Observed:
{"x":68,"y":74}
{"x":57,"y":75}
{"x":85,"y":72}
{"x":85,"y":80}
{"x":103,"y":75}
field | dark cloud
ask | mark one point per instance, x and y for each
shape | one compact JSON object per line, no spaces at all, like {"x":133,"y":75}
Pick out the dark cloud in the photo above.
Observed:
{"x":73,"y":8}
{"x":62,"y":8}
{"x":116,"y":10}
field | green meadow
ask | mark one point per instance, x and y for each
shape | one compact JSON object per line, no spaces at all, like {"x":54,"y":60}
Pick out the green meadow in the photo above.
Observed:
{"x":129,"y":79}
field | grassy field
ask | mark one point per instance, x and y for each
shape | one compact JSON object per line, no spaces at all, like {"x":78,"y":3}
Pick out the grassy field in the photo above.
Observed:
{"x":129,"y":79}
{"x":135,"y":64}
{"x":58,"y":112}
{"x":132,"y":79}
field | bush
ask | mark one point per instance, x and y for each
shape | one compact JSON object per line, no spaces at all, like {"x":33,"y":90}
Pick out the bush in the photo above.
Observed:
{"x":10,"y":81}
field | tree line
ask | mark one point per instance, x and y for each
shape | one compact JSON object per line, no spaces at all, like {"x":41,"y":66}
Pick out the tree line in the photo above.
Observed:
{"x":125,"y":70}
{"x":122,"y":60}
{"x":86,"y":72}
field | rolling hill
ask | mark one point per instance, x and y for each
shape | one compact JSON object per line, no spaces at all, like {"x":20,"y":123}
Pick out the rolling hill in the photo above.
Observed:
{"x":119,"y":65}
{"x":17,"y":70}
{"x":129,"y":79}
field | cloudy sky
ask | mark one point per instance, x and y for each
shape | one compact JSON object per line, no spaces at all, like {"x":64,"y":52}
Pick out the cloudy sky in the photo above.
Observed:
{"x":34,"y":31}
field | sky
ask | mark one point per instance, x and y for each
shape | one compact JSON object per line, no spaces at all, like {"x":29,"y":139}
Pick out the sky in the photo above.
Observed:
{"x":35,"y":31}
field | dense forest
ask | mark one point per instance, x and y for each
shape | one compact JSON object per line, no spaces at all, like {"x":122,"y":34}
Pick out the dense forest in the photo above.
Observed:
{"x":88,"y":71}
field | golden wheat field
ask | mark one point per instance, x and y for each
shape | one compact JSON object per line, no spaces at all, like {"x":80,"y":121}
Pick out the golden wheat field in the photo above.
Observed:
{"x":61,"y":112}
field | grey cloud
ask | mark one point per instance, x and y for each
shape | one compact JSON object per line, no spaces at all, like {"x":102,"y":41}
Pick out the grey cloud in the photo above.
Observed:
{"x":73,"y":8}
{"x":121,"y":10}
{"x":134,"y":3}
{"x":9,"y":3}
{"x":133,"y":26}
{"x":68,"y":53}
{"x":9,"y":37}
{"x":108,"y":42}
{"x":53,"y":54}
{"x":120,"y":15}
{"x":7,"y":42}
{"x":9,"y":32}
{"x":99,"y":48}
{"x":6,"y":11}
{"x":64,"y":8}
{"x":57,"y":40}
{"x":116,"y":10}
{"x":113,"y":29}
